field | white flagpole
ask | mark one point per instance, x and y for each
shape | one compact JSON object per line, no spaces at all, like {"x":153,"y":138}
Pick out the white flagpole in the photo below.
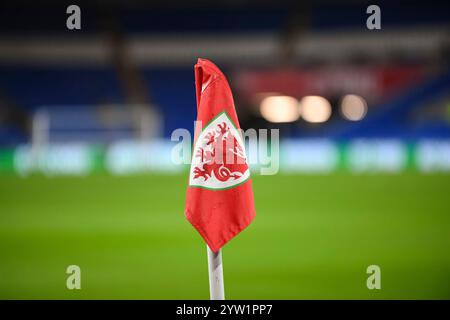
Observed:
{"x":216,"y":289}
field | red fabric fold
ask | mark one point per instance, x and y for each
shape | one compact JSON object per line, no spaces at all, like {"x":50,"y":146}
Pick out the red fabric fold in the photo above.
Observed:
{"x":219,"y":200}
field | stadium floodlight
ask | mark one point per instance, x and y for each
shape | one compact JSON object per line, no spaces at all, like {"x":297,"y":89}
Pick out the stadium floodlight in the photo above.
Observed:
{"x":315,"y":109}
{"x":280,"y":109}
{"x":353,"y":107}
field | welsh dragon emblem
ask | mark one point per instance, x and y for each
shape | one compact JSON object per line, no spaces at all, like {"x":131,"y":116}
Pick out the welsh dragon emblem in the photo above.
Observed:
{"x":219,"y":157}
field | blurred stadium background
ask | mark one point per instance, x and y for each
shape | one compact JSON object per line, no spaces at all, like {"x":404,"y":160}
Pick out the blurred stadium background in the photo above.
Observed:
{"x":86,"y":177}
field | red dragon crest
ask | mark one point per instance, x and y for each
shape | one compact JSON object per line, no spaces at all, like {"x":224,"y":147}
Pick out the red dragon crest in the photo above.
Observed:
{"x":222,"y":155}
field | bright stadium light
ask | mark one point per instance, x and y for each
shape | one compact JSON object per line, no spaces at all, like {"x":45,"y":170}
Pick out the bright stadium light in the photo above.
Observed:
{"x":315,"y":109}
{"x":353,"y":107}
{"x":279,"y":109}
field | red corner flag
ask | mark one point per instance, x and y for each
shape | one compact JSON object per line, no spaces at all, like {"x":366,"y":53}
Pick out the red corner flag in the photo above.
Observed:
{"x":219,"y":201}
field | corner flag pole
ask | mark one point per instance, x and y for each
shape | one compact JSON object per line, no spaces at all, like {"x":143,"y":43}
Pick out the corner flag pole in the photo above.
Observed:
{"x":216,"y":289}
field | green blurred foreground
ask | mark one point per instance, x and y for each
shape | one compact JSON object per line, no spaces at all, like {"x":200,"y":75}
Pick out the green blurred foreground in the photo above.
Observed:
{"x":313,"y":237}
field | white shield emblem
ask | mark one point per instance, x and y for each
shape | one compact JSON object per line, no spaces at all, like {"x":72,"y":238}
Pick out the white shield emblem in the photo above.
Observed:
{"x":219,"y":160}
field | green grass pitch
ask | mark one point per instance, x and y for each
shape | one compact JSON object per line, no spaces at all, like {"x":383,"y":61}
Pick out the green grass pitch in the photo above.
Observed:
{"x":313,"y":237}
